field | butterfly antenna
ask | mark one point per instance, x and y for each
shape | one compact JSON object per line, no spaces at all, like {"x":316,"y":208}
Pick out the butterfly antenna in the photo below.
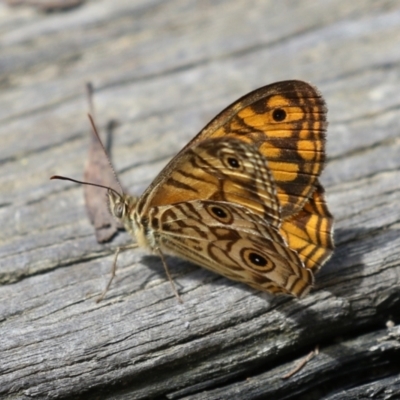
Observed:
{"x":64,"y":178}
{"x":105,"y":151}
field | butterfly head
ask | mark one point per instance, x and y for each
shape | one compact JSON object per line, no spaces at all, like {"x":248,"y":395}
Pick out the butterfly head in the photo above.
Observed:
{"x":122,"y":207}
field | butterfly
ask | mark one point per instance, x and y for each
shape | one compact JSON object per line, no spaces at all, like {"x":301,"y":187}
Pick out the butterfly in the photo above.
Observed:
{"x":243,"y":197}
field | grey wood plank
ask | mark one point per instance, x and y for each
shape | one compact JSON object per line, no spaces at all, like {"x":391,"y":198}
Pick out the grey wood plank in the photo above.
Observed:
{"x":163,"y":69}
{"x":367,"y":356}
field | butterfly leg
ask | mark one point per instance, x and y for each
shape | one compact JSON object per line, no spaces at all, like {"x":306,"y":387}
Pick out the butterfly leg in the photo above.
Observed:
{"x":114,"y":268}
{"x":169,"y":275}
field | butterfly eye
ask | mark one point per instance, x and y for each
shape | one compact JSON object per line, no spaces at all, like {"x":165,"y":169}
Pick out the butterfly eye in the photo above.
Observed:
{"x":279,"y":115}
{"x":119,"y":210}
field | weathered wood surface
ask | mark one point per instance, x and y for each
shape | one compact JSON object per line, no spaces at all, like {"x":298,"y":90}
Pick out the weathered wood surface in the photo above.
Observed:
{"x":162,"y":69}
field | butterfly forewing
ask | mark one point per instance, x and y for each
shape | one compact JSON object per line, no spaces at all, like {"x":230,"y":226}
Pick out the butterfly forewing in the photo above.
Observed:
{"x":286,"y":121}
{"x":221,"y":169}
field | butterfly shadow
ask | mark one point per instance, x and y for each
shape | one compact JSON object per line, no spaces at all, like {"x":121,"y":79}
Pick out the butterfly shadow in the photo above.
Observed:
{"x":343,"y":313}
{"x":195,"y":276}
{"x":176,"y":267}
{"x":344,"y":273}
{"x":341,"y":278}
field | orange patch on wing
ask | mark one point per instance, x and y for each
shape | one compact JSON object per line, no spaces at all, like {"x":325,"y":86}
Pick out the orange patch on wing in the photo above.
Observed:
{"x":283,"y":197}
{"x":294,"y":114}
{"x":284,"y":171}
{"x":270,"y":151}
{"x":306,"y":149}
{"x":277,"y":101}
{"x":311,"y":225}
{"x":256,"y":120}
{"x":246,"y":113}
{"x":280,"y":133}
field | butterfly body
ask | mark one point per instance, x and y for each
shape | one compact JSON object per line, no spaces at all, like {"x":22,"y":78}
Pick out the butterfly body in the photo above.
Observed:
{"x":243,"y":198}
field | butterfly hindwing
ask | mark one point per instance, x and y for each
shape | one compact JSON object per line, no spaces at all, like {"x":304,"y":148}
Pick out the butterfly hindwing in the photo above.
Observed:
{"x":233,"y":241}
{"x":309,"y":232}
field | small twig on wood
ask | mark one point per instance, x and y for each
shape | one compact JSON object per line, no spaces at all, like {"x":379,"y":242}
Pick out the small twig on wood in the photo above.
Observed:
{"x":302,"y":363}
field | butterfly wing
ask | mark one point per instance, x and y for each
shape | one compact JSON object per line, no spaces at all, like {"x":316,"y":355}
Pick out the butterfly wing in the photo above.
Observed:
{"x":310,"y":231}
{"x":232,"y":241}
{"x":219,"y":169}
{"x":286,"y":121}
{"x":227,"y":169}
{"x":264,"y":153}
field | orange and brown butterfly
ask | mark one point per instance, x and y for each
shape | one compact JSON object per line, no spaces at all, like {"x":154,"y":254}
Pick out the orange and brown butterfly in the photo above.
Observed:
{"x":243,"y":197}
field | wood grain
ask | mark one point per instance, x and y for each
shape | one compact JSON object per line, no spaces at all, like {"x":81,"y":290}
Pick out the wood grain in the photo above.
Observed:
{"x":163,"y":69}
